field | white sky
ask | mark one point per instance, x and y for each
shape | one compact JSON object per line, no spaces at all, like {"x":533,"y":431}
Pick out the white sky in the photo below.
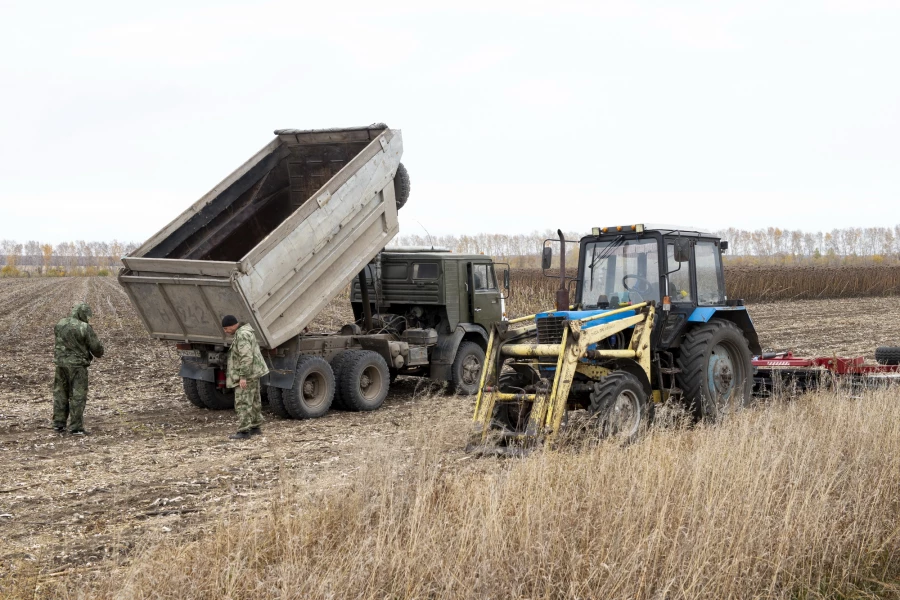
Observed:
{"x":516,"y":115}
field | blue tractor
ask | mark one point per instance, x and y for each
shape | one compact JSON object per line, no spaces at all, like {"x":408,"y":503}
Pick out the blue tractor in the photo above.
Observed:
{"x":649,"y":323}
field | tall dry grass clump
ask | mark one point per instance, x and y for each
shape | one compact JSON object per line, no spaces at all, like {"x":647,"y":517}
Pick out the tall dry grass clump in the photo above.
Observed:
{"x":798,"y":500}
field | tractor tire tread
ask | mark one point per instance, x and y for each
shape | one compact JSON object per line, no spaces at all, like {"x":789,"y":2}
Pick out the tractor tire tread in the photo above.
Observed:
{"x":692,"y":362}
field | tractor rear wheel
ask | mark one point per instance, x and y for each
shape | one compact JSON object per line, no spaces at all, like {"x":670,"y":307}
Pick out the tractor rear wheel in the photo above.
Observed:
{"x":365,"y":380}
{"x":313,"y":389}
{"x":215,"y":398}
{"x":887,"y":355}
{"x":620,"y":406}
{"x":191,"y":393}
{"x":276,"y":401}
{"x":716,"y":370}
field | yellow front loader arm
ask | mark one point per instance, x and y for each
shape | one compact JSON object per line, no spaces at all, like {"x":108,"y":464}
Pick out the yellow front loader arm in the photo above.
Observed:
{"x":549,"y":402}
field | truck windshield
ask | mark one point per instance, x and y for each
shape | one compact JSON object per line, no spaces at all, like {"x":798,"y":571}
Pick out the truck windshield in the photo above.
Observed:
{"x":618,"y":272}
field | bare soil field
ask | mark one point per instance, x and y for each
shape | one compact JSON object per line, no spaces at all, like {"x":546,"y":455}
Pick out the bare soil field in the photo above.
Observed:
{"x":154,"y":467}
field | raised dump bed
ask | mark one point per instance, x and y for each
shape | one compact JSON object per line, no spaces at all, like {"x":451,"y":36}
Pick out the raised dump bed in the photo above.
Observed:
{"x":276,"y":240}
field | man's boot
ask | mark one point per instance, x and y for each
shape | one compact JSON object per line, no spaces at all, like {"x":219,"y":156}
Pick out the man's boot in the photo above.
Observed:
{"x":240,"y":435}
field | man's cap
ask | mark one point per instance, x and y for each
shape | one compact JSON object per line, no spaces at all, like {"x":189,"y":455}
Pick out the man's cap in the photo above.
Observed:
{"x":229,"y":320}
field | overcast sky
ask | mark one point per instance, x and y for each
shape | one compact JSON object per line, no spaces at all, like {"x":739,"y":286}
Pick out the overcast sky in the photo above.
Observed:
{"x":115,"y":116}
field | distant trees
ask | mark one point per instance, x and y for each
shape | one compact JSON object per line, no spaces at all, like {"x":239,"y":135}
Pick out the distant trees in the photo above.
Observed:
{"x":772,"y":244}
{"x":65,"y":258}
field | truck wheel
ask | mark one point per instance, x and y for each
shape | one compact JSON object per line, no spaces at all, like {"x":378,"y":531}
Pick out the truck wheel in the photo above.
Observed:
{"x":401,"y":186}
{"x":465,"y":373}
{"x":213,"y":397}
{"x":365,"y":380}
{"x":191,"y":393}
{"x":887,"y":355}
{"x":337,"y":367}
{"x":621,"y":407}
{"x":313,"y":389}
{"x":716,"y":370}
{"x":276,"y":401}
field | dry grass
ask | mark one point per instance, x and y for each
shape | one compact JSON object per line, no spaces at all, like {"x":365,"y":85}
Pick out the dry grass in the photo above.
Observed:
{"x":531,"y":291}
{"x":793,"y":500}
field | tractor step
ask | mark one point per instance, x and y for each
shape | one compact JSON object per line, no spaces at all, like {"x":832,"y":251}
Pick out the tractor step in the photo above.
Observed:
{"x":670,"y":371}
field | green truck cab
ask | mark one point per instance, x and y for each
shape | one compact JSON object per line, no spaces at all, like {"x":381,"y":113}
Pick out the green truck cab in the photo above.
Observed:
{"x":449,"y":301}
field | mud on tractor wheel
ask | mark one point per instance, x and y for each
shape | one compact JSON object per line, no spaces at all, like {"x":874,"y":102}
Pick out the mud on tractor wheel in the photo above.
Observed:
{"x":716,"y":370}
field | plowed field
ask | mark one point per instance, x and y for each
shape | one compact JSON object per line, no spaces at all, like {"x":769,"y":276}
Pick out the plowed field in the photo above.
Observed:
{"x":155,"y":466}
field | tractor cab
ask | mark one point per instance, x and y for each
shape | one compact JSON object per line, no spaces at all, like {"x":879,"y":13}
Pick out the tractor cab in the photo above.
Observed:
{"x":678,"y":270}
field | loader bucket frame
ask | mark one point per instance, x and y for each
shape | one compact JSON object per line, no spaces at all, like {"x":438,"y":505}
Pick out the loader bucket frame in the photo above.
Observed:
{"x":549,"y":402}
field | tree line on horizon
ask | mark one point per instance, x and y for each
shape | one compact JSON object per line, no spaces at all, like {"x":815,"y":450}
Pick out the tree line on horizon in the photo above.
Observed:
{"x":773,"y":244}
{"x":522,"y":250}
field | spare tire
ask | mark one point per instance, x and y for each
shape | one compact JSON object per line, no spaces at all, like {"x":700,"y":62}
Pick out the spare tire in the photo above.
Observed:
{"x":887,"y":355}
{"x":401,"y":186}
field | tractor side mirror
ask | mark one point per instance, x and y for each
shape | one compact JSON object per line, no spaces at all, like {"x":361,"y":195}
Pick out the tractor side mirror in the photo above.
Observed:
{"x":546,"y":257}
{"x":506,"y":279}
{"x":723,"y":245}
{"x":682,"y":250}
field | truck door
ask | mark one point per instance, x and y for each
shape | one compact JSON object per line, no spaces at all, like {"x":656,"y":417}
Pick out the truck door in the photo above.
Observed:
{"x":484,"y":294}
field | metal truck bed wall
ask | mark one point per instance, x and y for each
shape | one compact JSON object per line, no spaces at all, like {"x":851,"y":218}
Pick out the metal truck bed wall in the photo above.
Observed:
{"x":275,"y":241}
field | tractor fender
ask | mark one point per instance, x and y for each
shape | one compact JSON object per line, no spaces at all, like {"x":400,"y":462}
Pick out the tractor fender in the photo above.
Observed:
{"x":631,"y":366}
{"x":736,"y":314}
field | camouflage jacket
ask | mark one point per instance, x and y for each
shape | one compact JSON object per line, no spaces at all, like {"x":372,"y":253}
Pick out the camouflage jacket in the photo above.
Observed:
{"x":76,"y":343}
{"x":244,"y":358}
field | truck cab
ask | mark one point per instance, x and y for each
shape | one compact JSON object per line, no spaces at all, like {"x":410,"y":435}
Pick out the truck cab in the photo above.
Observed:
{"x":459,"y":296}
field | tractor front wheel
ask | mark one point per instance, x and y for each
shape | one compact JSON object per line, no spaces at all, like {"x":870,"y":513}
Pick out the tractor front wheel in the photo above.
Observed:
{"x":620,"y":406}
{"x":716,"y":370}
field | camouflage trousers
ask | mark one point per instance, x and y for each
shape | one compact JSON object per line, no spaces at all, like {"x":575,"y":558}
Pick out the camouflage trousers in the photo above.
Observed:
{"x":70,"y":388}
{"x":248,"y":405}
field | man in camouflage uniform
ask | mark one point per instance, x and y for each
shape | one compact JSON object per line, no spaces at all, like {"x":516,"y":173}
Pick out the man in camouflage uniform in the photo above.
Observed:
{"x":76,"y":345}
{"x":245,"y":367}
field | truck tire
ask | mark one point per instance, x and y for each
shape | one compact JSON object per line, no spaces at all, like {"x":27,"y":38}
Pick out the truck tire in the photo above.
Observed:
{"x":337,"y":367}
{"x":621,"y":407}
{"x":313,"y":390}
{"x":365,"y":380}
{"x":191,"y":393}
{"x":887,"y":355}
{"x":401,"y":186}
{"x":716,"y":370}
{"x":213,"y":397}
{"x":276,"y":401}
{"x":465,"y":373}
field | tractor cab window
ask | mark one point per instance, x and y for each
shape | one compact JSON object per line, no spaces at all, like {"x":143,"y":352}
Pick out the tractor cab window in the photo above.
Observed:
{"x":680,"y":280}
{"x":710,"y":287}
{"x":620,"y":272}
{"x":483,"y":276}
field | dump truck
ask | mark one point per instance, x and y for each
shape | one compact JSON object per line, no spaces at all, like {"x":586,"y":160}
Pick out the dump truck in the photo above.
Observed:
{"x":649,"y":323}
{"x":274,"y":243}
